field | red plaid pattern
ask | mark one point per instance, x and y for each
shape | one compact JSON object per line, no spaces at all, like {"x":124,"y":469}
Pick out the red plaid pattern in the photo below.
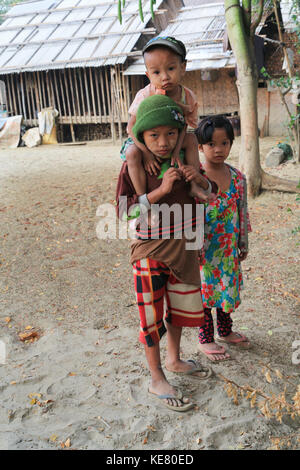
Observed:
{"x":155,"y":283}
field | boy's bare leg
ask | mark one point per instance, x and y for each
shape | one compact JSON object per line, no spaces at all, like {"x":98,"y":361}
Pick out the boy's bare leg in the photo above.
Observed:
{"x":159,"y":384}
{"x":136,"y":169}
{"x":173,"y":361}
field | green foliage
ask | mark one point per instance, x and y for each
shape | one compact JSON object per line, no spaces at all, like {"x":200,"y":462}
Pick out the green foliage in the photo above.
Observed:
{"x":121,"y":4}
{"x":5,"y":5}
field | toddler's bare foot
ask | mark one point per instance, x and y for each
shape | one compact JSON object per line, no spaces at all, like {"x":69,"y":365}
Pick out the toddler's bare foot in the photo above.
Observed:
{"x":200,"y":193}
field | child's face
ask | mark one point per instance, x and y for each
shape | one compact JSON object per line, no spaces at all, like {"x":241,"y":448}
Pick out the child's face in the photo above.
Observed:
{"x":161,"y":140}
{"x":218,"y":149}
{"x":164,"y":68}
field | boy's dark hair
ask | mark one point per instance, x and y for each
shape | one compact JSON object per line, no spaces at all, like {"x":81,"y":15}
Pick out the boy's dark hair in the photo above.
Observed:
{"x":206,"y":127}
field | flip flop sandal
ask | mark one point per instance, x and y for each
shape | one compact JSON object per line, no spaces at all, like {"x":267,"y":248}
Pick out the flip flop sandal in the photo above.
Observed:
{"x":241,"y":342}
{"x":178,"y":396}
{"x":215,"y":352}
{"x":197,"y":368}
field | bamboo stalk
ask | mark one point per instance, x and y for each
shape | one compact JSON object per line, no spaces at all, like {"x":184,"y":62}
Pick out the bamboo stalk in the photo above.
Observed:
{"x":30,"y":114}
{"x":82,"y":95}
{"x":15,"y":110}
{"x":36,"y":91}
{"x":87,"y":95}
{"x":102,"y":86}
{"x":57,"y":93}
{"x":97,"y":92}
{"x":69,"y":107}
{"x":62,"y":94}
{"x":10,"y":109}
{"x":24,"y":113}
{"x":72,"y":94}
{"x":94,"y":112}
{"x":40,"y":90}
{"x":77,"y":97}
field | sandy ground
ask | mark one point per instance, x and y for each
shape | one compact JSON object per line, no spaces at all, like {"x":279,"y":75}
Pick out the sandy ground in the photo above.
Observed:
{"x":82,"y":384}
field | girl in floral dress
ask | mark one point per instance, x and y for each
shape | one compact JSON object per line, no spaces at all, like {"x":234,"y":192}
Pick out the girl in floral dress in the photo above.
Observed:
{"x":226,"y":239}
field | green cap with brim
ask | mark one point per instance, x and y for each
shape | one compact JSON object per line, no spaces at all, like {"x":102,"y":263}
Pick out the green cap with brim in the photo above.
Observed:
{"x":154,"y":111}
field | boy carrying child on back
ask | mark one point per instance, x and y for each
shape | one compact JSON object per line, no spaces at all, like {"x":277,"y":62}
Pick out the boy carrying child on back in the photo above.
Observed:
{"x":164,"y":269}
{"x":165,"y":61}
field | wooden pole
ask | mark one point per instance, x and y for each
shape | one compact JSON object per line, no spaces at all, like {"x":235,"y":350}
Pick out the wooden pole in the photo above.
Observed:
{"x":104,"y":107}
{"x":82,"y":95}
{"x":24,"y":113}
{"x":15,"y":110}
{"x":57,"y":92}
{"x":36,"y":90}
{"x":10,"y":102}
{"x":98,"y":93}
{"x":87,"y":94}
{"x":71,"y":86}
{"x":77,"y":96}
{"x":93,"y":95}
{"x":69,"y":107}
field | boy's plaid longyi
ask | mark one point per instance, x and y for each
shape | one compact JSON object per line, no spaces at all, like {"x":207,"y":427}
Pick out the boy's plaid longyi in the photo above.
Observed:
{"x":153,"y":282}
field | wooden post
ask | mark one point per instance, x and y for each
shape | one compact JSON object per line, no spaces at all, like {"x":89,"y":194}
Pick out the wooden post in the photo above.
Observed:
{"x":98,"y":94}
{"x":82,"y":95}
{"x":69,"y":107}
{"x":102,"y":86}
{"x":87,"y":95}
{"x":93,"y":95}
{"x":57,"y":92}
{"x":15,"y":110}
{"x":9,"y":94}
{"x":30,"y":113}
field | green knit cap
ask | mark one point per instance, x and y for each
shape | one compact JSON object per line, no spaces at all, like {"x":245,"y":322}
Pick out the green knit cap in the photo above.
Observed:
{"x":154,"y":111}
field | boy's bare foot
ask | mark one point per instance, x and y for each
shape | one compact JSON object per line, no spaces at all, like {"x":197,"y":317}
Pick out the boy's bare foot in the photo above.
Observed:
{"x":190,"y":368}
{"x":214,"y":352}
{"x":171,"y":397}
{"x":236,"y":339}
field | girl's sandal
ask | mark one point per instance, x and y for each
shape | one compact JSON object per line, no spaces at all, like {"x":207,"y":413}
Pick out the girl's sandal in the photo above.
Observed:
{"x":241,"y":341}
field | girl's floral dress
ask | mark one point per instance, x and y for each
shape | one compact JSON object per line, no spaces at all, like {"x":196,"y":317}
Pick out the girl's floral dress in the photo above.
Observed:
{"x":221,"y":275}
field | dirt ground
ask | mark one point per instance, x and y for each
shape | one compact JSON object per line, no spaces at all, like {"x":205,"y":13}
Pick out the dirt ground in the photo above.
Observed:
{"x":82,"y":383}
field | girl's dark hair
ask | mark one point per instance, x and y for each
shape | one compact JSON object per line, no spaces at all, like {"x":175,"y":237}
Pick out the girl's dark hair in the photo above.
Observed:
{"x":206,"y":127}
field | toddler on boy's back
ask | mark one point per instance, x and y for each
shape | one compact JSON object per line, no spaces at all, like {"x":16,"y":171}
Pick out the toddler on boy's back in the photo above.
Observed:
{"x":165,"y":61}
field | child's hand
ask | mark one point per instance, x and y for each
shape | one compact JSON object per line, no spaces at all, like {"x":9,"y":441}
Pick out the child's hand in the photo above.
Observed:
{"x":189,"y":173}
{"x":176,"y":159}
{"x":186,"y":108}
{"x":243,"y":253}
{"x":169,"y":178}
{"x":151,"y":163}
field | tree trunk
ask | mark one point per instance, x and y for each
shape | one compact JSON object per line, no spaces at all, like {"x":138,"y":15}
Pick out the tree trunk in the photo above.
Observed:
{"x":249,"y":152}
{"x":247,"y":87}
{"x":242,"y":44}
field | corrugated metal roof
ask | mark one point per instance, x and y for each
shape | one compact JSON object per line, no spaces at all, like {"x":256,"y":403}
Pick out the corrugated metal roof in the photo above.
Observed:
{"x":201,"y":28}
{"x":47,"y":34}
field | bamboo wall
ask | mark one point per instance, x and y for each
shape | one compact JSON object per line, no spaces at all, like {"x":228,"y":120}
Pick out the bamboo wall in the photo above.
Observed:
{"x":217,"y":96}
{"x":81,"y":95}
